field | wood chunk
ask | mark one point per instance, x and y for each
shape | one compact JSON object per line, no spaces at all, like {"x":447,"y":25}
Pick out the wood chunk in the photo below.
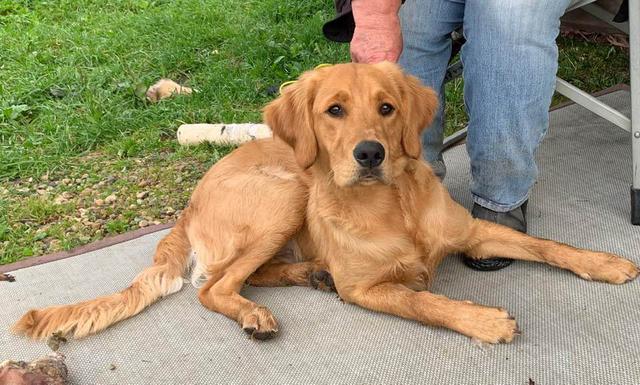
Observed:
{"x":47,"y":370}
{"x":165,"y":88}
{"x":7,"y":277}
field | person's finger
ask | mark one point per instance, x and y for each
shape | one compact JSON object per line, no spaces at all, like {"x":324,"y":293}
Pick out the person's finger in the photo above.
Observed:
{"x":354,"y":57}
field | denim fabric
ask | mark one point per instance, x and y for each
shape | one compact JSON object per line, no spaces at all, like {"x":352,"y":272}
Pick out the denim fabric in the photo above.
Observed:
{"x":510,"y":62}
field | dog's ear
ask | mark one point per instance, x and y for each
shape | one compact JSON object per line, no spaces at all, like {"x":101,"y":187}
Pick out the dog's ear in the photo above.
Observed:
{"x":289,"y":117}
{"x":420,"y":107}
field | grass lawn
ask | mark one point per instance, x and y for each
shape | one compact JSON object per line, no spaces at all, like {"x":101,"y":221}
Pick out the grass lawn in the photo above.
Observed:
{"x":83,"y":155}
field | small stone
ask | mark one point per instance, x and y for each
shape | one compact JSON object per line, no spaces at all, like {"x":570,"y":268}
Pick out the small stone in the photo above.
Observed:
{"x":54,"y":244}
{"x":55,"y":340}
{"x":169,"y":210}
{"x":143,"y":183}
{"x":139,"y":201}
{"x":112,"y":367}
{"x":143,"y":223}
{"x":142,"y":194}
{"x":41,"y":191}
{"x":98,"y":202}
{"x":66,"y":181}
{"x":60,"y":199}
{"x":30,"y":180}
{"x":179,"y":179}
{"x":84,"y":176}
{"x":110,"y":199}
{"x":45,"y":177}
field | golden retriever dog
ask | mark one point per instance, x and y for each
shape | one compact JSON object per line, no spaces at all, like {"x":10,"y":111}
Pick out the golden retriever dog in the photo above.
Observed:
{"x":342,"y":188}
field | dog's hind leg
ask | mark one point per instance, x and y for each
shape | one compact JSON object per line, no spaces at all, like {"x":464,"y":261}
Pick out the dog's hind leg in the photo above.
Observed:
{"x":488,"y":240}
{"x":275,"y":274}
{"x":290,"y":267}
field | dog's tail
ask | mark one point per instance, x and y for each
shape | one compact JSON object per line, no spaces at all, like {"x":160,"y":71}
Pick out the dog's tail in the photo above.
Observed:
{"x":164,"y":277}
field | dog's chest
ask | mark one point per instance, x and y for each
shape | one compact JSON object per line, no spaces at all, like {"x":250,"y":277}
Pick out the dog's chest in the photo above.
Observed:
{"x":366,"y":235}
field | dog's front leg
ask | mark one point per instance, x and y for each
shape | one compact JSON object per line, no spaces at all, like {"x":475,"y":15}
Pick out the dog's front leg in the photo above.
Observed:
{"x":489,"y":240}
{"x":483,"y":323}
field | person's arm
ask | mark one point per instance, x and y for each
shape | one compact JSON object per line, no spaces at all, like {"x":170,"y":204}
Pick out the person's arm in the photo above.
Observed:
{"x":377,"y":36}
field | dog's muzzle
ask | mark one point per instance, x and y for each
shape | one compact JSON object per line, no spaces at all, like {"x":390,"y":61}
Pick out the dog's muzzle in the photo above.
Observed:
{"x":369,"y":155}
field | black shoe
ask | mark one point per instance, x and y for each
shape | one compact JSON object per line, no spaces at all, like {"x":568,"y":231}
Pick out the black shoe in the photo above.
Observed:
{"x":516,"y":219}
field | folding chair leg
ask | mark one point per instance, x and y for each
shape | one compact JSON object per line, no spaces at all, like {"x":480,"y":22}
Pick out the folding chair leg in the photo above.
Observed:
{"x":634,"y":64}
{"x":635,"y":155}
{"x":635,"y":206}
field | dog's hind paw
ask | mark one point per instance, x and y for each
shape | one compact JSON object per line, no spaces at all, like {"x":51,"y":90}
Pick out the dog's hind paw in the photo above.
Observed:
{"x":322,"y":280}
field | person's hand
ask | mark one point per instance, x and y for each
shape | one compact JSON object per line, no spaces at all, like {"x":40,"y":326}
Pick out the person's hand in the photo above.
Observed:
{"x":377,"y":36}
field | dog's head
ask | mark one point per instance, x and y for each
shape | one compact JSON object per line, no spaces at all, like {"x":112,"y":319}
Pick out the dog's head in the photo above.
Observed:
{"x":358,"y":122}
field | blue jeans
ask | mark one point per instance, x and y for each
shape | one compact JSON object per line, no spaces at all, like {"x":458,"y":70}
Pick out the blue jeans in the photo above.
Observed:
{"x":510,"y":61}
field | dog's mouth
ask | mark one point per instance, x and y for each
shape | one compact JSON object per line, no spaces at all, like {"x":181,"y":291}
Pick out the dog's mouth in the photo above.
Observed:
{"x":368,"y":176}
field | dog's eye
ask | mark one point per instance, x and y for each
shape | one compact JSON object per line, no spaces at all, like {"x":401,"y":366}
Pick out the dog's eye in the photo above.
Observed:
{"x":335,"y":110}
{"x":386,"y":109}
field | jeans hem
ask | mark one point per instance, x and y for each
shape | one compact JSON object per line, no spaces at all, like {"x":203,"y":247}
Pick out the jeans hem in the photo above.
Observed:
{"x":498,"y":207}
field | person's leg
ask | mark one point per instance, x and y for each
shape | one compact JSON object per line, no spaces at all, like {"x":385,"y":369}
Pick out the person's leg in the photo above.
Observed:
{"x":510,"y":62}
{"x":426,"y":30}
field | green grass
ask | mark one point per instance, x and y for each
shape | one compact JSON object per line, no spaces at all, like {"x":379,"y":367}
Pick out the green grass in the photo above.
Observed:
{"x":70,"y":70}
{"x":72,"y":119}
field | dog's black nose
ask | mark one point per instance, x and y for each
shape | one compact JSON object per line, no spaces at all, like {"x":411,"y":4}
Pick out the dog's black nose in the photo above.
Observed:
{"x":369,"y":153}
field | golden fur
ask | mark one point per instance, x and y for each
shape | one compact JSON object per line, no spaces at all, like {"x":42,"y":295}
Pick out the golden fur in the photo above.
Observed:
{"x":275,"y":212}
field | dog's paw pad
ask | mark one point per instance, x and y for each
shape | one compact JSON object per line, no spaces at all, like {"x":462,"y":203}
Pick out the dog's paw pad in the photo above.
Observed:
{"x":322,"y":280}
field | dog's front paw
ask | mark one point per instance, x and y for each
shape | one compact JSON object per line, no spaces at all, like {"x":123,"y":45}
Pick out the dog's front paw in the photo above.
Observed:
{"x":260,"y":324}
{"x":486,"y":324}
{"x":608,"y":268}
